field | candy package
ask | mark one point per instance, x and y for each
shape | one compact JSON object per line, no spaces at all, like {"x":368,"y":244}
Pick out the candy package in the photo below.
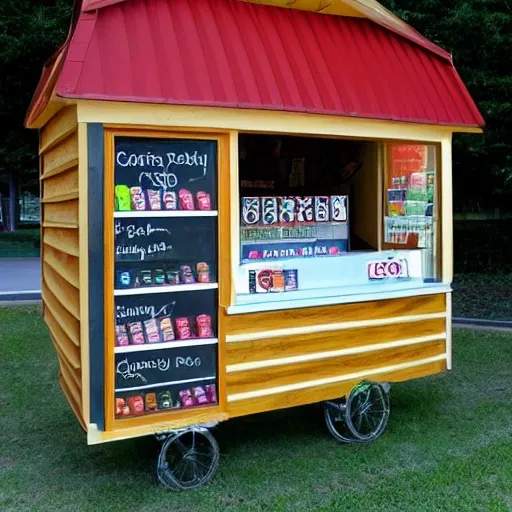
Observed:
{"x":151,"y":328}
{"x":291,"y":280}
{"x":124,"y":278}
{"x":186,"y":199}
{"x":204,"y":326}
{"x":120,"y":405}
{"x":122,"y":336}
{"x":170,"y":201}
{"x":187,"y":277}
{"x":136,"y":404}
{"x":154,"y":199}
{"x":277,"y":281}
{"x":187,"y":398}
{"x":321,"y":208}
{"x":159,"y":276}
{"x":146,"y":277}
{"x":304,"y":209}
{"x":164,"y":400}
{"x":270,"y":211}
{"x":286,"y":209}
{"x":203,"y":201}
{"x":138,"y":199}
{"x":150,"y":400}
{"x":200,"y":395}
{"x":172,"y":277}
{"x":136,"y":334}
{"x":211,"y":393}
{"x":203,"y":272}
{"x":183,"y":328}
{"x":122,"y":198}
{"x":250,"y":210}
{"x":339,"y":208}
{"x":166,"y":329}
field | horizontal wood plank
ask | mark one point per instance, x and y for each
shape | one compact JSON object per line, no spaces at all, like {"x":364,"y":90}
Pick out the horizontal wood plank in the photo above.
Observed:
{"x":303,"y":344}
{"x":61,"y":340}
{"x":61,"y":184}
{"x":60,"y":127}
{"x":61,"y":156}
{"x":65,"y":265}
{"x":66,"y":294}
{"x":71,"y":382}
{"x":61,"y":198}
{"x":69,"y":324}
{"x":74,"y":405}
{"x":63,"y":240}
{"x":327,"y":392}
{"x":307,"y":317}
{"x":65,"y":212}
{"x":264,"y":378}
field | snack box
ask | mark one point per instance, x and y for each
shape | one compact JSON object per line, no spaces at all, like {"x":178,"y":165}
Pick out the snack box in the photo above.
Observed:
{"x":321,"y":208}
{"x":305,"y":209}
{"x":286,"y":209}
{"x":269,"y":210}
{"x":251,"y":210}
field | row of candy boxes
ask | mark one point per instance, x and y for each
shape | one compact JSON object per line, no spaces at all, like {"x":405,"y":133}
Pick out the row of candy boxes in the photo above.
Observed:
{"x":139,"y":199}
{"x":161,"y":276}
{"x":162,"y":330}
{"x":273,"y":210}
{"x":163,"y":401}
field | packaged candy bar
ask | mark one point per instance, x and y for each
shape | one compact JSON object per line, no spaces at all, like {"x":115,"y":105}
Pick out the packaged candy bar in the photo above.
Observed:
{"x":136,"y":334}
{"x":204,"y":326}
{"x":250,"y":210}
{"x":252,"y":281}
{"x":183,"y":328}
{"x":124,"y":279}
{"x":286,"y":209}
{"x":164,"y":400}
{"x":304,"y":209}
{"x":200,"y":395}
{"x":187,"y":398}
{"x":120,"y":404}
{"x":166,"y":329}
{"x":269,"y":207}
{"x":170,"y":201}
{"x":187,"y":277}
{"x":122,"y":198}
{"x":172,"y":277}
{"x":396,"y":209}
{"x":321,"y":208}
{"x":126,"y":410}
{"x":291,"y":280}
{"x":151,"y":328}
{"x":277,"y":281}
{"x":211,"y":393}
{"x":138,"y":198}
{"x":136,"y":280}
{"x":136,"y":404}
{"x":203,"y":272}
{"x":203,"y":201}
{"x":154,"y":199}
{"x":263,"y":281}
{"x":122,"y":336}
{"x":159,"y":276}
{"x":339,"y":208}
{"x":150,"y":400}
{"x":186,"y":199}
{"x":146,"y":277}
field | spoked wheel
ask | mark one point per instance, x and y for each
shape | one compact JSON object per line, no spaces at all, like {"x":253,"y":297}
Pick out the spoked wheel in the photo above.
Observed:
{"x":188,"y":460}
{"x":360,"y":418}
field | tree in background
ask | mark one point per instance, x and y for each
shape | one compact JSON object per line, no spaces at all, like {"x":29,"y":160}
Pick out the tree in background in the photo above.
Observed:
{"x":478,"y":33}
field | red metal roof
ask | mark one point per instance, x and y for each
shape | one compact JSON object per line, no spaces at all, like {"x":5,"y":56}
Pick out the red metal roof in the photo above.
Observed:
{"x":233,"y":54}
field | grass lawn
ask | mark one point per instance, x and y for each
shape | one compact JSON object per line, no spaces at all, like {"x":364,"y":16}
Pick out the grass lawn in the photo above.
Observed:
{"x":448,"y":446}
{"x":23,"y":243}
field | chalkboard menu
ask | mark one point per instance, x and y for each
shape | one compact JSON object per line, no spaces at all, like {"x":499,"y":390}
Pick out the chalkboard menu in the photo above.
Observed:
{"x":165,"y":285}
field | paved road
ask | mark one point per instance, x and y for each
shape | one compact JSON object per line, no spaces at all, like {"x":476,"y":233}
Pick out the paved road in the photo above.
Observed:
{"x":20,"y":278}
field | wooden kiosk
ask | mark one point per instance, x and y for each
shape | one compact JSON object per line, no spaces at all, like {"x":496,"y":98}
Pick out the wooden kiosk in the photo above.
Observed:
{"x":244,"y":208}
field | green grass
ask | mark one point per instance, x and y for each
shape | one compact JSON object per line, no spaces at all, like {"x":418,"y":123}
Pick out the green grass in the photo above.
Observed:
{"x":448,"y":446}
{"x":23,"y":243}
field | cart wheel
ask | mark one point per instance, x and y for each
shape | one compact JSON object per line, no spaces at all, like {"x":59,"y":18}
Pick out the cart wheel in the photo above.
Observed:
{"x":334,"y":413}
{"x":188,"y":460}
{"x":367,"y":411}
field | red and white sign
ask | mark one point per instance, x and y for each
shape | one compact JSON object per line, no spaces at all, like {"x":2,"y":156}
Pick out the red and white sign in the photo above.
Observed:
{"x":388,"y":269}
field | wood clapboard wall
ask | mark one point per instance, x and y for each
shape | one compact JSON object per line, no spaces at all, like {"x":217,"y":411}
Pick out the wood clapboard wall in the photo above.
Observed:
{"x":288,"y":358}
{"x":60,"y":248}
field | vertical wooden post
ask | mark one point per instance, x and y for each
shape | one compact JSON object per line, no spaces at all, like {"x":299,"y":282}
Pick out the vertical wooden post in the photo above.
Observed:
{"x":446,"y":209}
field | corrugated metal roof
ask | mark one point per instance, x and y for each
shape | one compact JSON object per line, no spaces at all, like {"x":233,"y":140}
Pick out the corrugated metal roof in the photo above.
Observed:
{"x":234,"y":54}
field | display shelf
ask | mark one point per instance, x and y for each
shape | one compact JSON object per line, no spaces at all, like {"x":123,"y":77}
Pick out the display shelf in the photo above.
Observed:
{"x":169,"y":383}
{"x":165,"y":213}
{"x":146,"y":290}
{"x":193,"y":342}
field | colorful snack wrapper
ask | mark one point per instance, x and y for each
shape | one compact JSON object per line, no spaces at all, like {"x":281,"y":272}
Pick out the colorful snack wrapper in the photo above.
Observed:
{"x":203,"y":272}
{"x":200,"y":395}
{"x":159,"y":276}
{"x":187,"y":277}
{"x":122,"y":198}
{"x":172,"y":277}
{"x":211,"y":393}
{"x":146,"y":277}
{"x":136,"y":404}
{"x":187,"y":399}
{"x":186,"y":199}
{"x":138,"y":198}
{"x":124,"y":278}
{"x":270,"y":211}
{"x":154,"y":199}
{"x":321,"y":208}
{"x":304,"y":209}
{"x":183,"y":328}
{"x":277,"y":281}
{"x":170,"y":201}
{"x":164,"y":400}
{"x":291,"y":280}
{"x":136,"y":334}
{"x":151,"y":328}
{"x":252,"y":281}
{"x":204,"y":326}
{"x":120,"y":405}
{"x":203,"y":201}
{"x":150,"y":400}
{"x":166,"y":329}
{"x":250,"y":210}
{"x":286,"y":209}
{"x":339,"y":208}
{"x":122,"y":336}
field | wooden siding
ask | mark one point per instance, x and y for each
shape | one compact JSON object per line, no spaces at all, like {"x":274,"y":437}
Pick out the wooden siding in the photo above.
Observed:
{"x":284,"y":359}
{"x":61,"y":247}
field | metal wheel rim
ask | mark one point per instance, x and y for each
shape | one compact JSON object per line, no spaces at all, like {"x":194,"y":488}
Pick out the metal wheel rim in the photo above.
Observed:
{"x":334,"y":413}
{"x":188,"y":460}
